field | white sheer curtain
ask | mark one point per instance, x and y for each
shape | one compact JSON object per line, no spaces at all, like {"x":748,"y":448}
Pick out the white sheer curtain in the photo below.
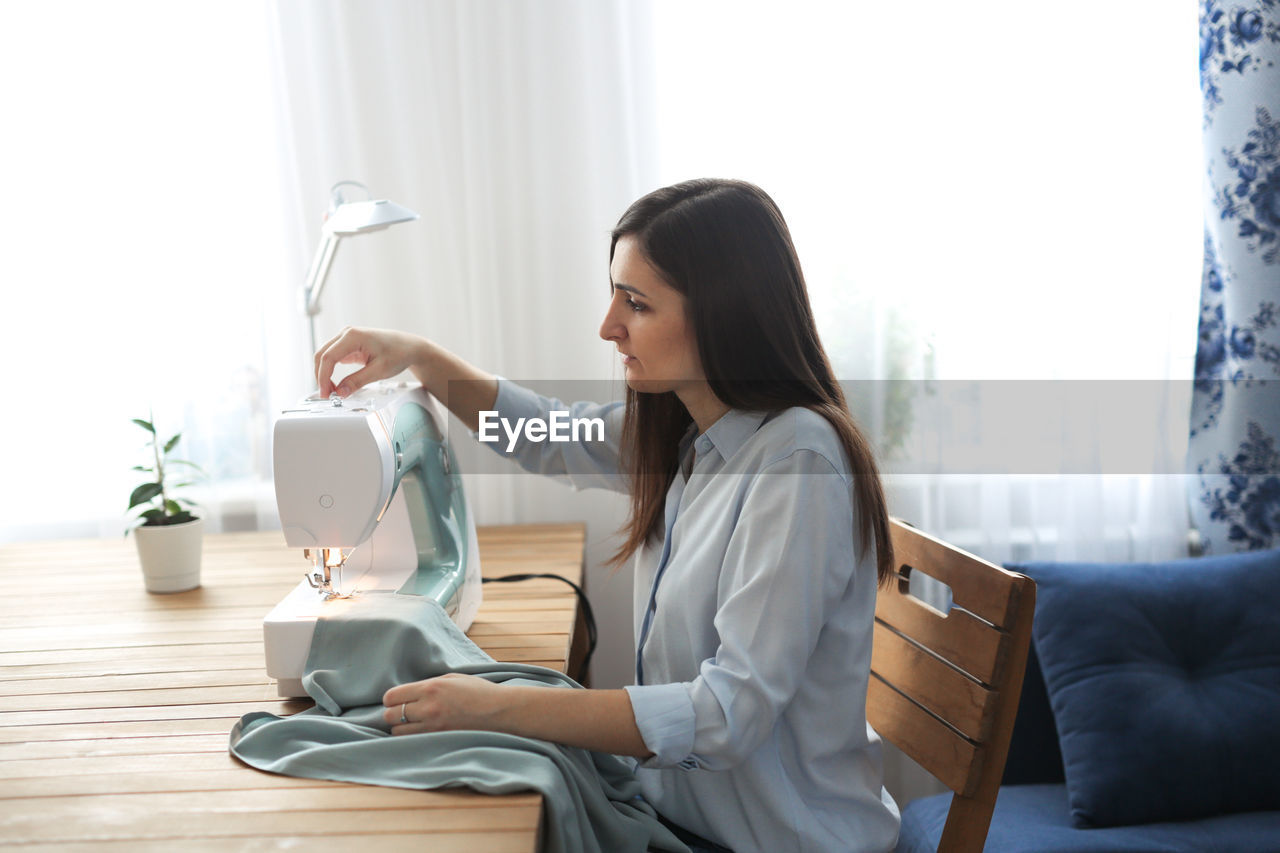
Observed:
{"x":520,"y":132}
{"x":142,"y":243}
{"x":517,"y":131}
{"x":973,"y":200}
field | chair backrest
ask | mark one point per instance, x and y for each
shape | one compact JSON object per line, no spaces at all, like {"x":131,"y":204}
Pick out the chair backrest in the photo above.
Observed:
{"x":944,"y":687}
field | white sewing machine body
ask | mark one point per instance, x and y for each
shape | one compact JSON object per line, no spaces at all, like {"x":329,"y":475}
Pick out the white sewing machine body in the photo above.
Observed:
{"x":369,"y":487}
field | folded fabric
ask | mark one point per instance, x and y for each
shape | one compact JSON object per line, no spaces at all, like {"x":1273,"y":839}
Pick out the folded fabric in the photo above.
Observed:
{"x":592,"y":800}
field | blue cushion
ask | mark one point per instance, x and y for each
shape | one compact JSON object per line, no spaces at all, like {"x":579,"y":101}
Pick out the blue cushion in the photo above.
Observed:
{"x":1035,"y":819}
{"x":1034,"y":757}
{"x":1164,"y":680}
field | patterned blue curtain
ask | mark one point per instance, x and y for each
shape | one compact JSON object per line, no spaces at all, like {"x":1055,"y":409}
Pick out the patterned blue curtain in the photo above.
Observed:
{"x":1235,"y":419}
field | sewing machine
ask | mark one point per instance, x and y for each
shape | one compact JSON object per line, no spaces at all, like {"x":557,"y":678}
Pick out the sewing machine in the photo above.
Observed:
{"x":368,"y":487}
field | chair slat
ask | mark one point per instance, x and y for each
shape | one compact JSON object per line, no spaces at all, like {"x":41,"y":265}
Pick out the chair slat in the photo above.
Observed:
{"x":987,"y":591}
{"x":986,"y":634}
{"x":961,"y":638}
{"x":955,"y":698}
{"x":954,"y":761}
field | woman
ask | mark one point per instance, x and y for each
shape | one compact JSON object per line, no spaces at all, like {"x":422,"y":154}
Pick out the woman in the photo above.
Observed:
{"x":758,"y":530}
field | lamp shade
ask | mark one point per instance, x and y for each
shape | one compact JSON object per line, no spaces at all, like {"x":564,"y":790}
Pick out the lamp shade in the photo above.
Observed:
{"x":360,"y":217}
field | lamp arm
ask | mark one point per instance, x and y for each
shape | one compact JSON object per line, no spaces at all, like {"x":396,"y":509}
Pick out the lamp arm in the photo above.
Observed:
{"x":319,"y":272}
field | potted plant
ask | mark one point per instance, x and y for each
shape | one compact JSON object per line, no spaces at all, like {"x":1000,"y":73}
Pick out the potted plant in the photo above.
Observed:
{"x":169,"y":537}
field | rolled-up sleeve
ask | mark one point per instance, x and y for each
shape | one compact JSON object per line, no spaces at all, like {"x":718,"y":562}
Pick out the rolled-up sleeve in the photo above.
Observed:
{"x":664,"y":714}
{"x":585,"y":463}
{"x":789,"y":561}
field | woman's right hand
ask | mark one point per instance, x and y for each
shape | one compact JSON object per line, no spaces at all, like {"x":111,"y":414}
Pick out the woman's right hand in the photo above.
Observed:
{"x":382,"y":353}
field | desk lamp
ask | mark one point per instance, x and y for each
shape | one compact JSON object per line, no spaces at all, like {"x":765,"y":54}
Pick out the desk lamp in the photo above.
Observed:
{"x":345,"y":219}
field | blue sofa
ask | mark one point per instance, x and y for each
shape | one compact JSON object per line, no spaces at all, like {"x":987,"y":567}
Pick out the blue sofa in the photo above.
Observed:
{"x":1161,"y":684}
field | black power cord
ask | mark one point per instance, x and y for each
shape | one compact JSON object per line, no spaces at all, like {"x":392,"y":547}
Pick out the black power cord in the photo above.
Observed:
{"x":587,"y":615}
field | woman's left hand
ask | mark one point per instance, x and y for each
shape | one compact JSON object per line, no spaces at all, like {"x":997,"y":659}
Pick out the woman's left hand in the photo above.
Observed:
{"x":449,"y":702}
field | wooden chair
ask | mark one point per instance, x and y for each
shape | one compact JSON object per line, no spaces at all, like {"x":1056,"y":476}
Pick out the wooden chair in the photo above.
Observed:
{"x":944,"y":687}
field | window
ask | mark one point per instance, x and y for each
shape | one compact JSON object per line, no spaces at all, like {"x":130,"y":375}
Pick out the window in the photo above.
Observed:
{"x":1022,"y":180}
{"x":144,"y":251}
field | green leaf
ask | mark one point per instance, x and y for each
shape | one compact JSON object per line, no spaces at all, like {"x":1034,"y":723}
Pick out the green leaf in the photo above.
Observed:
{"x":173,"y":507}
{"x":180,"y":517}
{"x":169,"y":445}
{"x":188,"y":464}
{"x":145,"y":425}
{"x":143,"y":493}
{"x":142,"y":468}
{"x":187,"y":502}
{"x":153,"y":516}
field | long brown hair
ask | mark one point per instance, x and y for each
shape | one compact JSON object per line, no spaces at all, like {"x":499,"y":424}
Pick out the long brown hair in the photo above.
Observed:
{"x":725,"y":246}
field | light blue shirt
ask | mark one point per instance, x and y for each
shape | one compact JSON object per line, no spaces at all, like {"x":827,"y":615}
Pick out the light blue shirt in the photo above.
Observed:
{"x":753,"y":621}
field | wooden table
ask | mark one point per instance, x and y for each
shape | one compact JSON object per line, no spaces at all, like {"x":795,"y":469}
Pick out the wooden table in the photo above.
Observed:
{"x":115,"y":705}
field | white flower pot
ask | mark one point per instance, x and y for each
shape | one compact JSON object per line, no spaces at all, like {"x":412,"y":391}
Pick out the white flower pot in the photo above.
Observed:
{"x":170,"y":555}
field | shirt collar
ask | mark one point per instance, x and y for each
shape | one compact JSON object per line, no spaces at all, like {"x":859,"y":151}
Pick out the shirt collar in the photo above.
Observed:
{"x":731,"y":431}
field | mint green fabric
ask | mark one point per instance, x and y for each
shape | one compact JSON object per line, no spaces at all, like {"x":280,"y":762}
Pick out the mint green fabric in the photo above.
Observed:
{"x":592,"y":800}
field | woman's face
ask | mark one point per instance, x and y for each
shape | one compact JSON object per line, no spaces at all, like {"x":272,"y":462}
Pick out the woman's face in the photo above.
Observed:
{"x":647,"y":322}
